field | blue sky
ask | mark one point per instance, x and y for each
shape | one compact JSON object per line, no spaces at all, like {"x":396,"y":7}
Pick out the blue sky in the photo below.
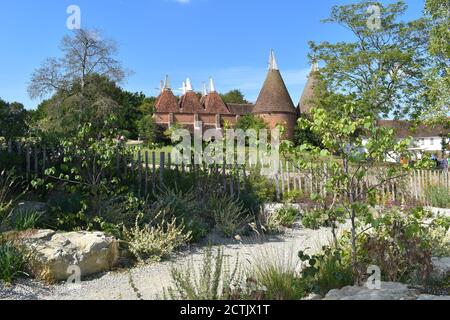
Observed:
{"x":226,"y":39}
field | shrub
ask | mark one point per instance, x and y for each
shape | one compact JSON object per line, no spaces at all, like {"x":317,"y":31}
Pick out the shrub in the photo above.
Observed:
{"x":438,"y":197}
{"x":153,"y":243}
{"x":293,"y":196}
{"x":274,"y":222}
{"x":261,"y":187}
{"x":228,"y":214}
{"x":27,"y":219}
{"x":287,"y":216}
{"x":13,"y":261}
{"x":215,"y":280}
{"x":185,"y":207}
{"x":325,"y":271}
{"x":402,"y":244}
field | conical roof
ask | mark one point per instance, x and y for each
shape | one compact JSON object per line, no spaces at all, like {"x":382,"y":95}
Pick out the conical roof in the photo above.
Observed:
{"x":190,"y":103}
{"x":167,"y":102}
{"x":306,"y":102}
{"x":274,"y":96}
{"x":215,"y":105}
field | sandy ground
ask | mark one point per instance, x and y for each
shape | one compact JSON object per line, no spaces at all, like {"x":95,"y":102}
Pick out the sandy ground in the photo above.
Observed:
{"x":151,"y":279}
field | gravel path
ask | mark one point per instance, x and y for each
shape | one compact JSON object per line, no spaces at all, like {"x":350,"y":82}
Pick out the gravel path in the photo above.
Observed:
{"x":151,"y":279}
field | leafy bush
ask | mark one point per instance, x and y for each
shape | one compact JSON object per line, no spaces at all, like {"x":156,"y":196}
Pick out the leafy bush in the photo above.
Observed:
{"x":402,"y":244}
{"x":153,"y":243}
{"x":287,"y":216}
{"x":228,"y":214}
{"x":215,"y":280}
{"x":185,"y":207}
{"x":293,"y":196}
{"x":438,"y":197}
{"x":274,"y":222}
{"x":13,"y":261}
{"x":325,"y":271}
{"x":261,"y":187}
{"x":27,"y":219}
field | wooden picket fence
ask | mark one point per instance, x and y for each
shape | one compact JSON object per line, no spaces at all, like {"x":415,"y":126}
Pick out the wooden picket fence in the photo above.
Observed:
{"x":147,"y":171}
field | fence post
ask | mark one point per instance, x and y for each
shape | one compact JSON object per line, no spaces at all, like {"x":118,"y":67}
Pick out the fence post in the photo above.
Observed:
{"x":162,"y":157}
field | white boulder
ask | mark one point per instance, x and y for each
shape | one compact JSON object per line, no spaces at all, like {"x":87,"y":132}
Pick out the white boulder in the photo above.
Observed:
{"x":56,"y":255}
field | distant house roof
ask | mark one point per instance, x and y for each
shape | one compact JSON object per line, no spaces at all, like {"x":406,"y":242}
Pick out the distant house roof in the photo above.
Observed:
{"x":190,"y":103}
{"x":306,"y":102}
{"x":214,"y":104}
{"x":406,"y":129}
{"x":167,"y":102}
{"x":274,"y":96}
{"x":241,"y":109}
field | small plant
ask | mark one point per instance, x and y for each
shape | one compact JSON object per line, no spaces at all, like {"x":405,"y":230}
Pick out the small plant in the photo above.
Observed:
{"x":402,"y":244}
{"x":153,"y":243}
{"x":27,"y":219}
{"x":13,"y":261}
{"x":276,"y":275}
{"x":438,"y":197}
{"x":274,"y":222}
{"x":8,"y":185}
{"x":330,"y":269}
{"x":227,"y":214}
{"x":293,"y":196}
{"x":287,"y":216}
{"x":183,"y":206}
{"x":215,"y":280}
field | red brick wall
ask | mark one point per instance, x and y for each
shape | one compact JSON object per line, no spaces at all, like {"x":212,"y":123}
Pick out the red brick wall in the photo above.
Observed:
{"x":286,"y":119}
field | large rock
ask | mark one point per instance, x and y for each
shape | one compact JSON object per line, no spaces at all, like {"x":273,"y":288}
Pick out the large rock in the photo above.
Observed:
{"x":56,"y":254}
{"x":388,"y":291}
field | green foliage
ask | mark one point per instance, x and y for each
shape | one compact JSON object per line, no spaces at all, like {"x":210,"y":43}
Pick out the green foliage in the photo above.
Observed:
{"x":147,"y":129}
{"x":261,"y":187}
{"x":383,"y":66}
{"x":251,"y":122}
{"x":215,"y":280}
{"x":185,"y":207}
{"x":402,"y":244}
{"x":227,"y":213}
{"x":276,"y":221}
{"x":13,"y":120}
{"x":152,"y":243}
{"x":13,"y":261}
{"x":276,"y":275}
{"x":26,"y":219}
{"x":438,"y":196}
{"x":234,"y":96}
{"x":287,"y":216}
{"x":9,"y":185}
{"x":330,"y":269}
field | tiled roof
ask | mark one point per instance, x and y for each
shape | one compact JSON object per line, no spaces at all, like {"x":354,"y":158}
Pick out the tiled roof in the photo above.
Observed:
{"x":214,"y":104}
{"x":274,"y":96}
{"x":167,"y":103}
{"x":190,"y":103}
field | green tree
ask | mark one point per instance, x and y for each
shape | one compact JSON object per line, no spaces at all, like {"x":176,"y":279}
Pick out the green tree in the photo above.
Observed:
{"x":384,"y":64}
{"x":13,"y":120}
{"x":250,"y":121}
{"x":148,"y":130}
{"x":83,"y":83}
{"x":359,"y":147}
{"x":234,"y":96}
{"x":437,"y":108}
